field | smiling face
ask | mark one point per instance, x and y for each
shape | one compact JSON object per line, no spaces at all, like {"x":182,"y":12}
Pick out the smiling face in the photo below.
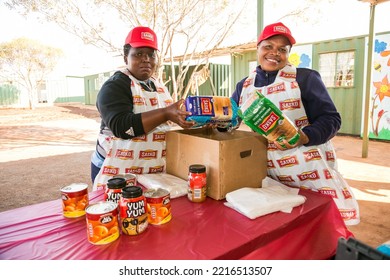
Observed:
{"x":272,"y":53}
{"x":141,"y":62}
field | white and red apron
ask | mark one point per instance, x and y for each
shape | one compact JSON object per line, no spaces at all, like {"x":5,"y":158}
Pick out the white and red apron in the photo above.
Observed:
{"x":142,"y":154}
{"x":312,"y":167}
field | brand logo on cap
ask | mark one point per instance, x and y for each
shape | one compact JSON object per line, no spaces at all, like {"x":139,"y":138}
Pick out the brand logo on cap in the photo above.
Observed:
{"x":281,"y":29}
{"x":147,"y":36}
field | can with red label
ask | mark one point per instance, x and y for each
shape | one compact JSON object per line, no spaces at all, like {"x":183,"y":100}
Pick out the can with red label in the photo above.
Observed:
{"x":132,"y":207}
{"x":197,"y":188}
{"x":158,"y":206}
{"x":102,"y":222}
{"x":114,"y":188}
{"x":74,"y":200}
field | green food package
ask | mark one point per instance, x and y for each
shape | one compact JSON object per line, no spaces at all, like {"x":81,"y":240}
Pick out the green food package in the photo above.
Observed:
{"x":263,"y":117}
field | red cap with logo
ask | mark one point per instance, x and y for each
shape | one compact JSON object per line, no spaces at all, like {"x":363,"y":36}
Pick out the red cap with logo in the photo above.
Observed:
{"x":142,"y":36}
{"x":276,"y":29}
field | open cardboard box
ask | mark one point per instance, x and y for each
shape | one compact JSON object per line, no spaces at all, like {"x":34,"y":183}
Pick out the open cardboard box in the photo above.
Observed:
{"x":233,"y":159}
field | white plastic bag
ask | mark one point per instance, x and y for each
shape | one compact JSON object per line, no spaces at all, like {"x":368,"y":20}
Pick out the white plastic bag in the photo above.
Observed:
{"x":271,"y":197}
{"x":176,"y":186}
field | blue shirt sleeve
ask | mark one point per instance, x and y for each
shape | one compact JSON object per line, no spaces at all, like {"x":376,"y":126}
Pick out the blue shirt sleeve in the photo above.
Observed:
{"x":323,"y":117}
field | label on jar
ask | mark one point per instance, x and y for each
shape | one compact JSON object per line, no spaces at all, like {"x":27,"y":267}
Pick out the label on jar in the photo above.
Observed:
{"x":113,"y":195}
{"x":134,"y":218}
{"x":197,"y":188}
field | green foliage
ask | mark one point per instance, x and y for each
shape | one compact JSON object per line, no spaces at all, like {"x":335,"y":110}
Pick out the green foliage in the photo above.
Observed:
{"x":29,"y":55}
{"x":384,"y":134}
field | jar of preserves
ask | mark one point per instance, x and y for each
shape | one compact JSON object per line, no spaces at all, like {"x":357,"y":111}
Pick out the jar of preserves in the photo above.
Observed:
{"x":114,"y":188}
{"x":197,"y":187}
{"x":133,"y":214}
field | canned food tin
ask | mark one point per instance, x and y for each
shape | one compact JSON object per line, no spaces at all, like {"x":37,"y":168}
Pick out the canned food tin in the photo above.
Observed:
{"x":158,"y":206}
{"x":131,"y":179}
{"x":132,"y":207}
{"x":74,"y":200}
{"x":114,"y":188}
{"x":102,"y":222}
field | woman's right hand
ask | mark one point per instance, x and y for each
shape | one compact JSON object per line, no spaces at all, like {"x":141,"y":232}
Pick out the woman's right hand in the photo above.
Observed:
{"x":177,"y":114}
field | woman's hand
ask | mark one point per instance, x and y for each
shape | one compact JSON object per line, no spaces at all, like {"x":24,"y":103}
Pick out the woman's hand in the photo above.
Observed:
{"x":303,"y":139}
{"x":177,"y":114}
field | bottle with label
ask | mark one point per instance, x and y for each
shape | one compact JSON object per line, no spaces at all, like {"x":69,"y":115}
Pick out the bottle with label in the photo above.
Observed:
{"x":197,"y":179}
{"x":114,"y":188}
{"x":133,"y":211}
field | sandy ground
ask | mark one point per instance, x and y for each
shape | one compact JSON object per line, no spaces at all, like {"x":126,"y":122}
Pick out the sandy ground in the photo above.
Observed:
{"x":50,"y":147}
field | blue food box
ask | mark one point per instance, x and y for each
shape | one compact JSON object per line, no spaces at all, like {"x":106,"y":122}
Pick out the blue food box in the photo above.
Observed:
{"x":200,"y":105}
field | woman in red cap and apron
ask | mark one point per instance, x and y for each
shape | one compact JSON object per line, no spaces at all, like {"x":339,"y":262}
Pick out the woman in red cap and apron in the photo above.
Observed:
{"x":303,"y":98}
{"x":136,"y":111}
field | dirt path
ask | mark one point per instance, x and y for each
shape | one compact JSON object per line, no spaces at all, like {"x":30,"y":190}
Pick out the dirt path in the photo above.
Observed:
{"x":43,"y":150}
{"x":50,"y":147}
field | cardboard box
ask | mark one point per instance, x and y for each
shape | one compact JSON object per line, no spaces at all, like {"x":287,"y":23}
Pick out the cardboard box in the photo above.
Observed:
{"x":233,"y":159}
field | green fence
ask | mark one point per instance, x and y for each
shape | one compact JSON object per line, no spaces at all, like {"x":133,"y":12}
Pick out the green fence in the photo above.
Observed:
{"x":217,"y":84}
{"x":9,"y":95}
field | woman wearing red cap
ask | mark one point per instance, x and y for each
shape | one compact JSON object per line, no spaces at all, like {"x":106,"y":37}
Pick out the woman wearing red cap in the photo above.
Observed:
{"x":136,"y":110}
{"x":304,"y":99}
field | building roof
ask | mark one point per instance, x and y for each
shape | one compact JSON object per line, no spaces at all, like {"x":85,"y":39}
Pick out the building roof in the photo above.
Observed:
{"x":217,"y":52}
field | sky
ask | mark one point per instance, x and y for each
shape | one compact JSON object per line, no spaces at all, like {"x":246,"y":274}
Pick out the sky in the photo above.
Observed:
{"x":79,"y":59}
{"x":343,"y":18}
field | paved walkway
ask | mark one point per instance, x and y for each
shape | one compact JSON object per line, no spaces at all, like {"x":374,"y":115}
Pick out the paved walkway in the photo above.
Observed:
{"x":373,"y":169}
{"x":369,"y":179}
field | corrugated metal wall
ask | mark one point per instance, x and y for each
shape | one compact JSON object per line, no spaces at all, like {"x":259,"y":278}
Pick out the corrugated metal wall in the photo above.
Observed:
{"x":69,"y":89}
{"x":348,"y":100}
{"x":219,"y":82}
{"x":92,"y":85}
{"x":241,"y":66}
{"x":221,"y":79}
{"x":9,"y":95}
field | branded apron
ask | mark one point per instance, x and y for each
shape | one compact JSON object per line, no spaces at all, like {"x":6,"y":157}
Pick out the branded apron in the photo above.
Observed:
{"x":312,"y":167}
{"x":142,"y":154}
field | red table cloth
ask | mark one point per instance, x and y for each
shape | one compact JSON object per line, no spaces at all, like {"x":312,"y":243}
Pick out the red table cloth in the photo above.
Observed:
{"x":207,"y":230}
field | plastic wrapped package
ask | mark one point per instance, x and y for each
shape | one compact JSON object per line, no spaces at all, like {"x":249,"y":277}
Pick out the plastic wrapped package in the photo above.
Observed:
{"x":271,"y":197}
{"x":262,"y":116}
{"x":219,"y":111}
{"x":176,"y":186}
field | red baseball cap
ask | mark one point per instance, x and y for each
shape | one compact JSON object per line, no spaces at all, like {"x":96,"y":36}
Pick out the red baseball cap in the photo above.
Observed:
{"x":276,"y":29}
{"x":142,"y":36}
